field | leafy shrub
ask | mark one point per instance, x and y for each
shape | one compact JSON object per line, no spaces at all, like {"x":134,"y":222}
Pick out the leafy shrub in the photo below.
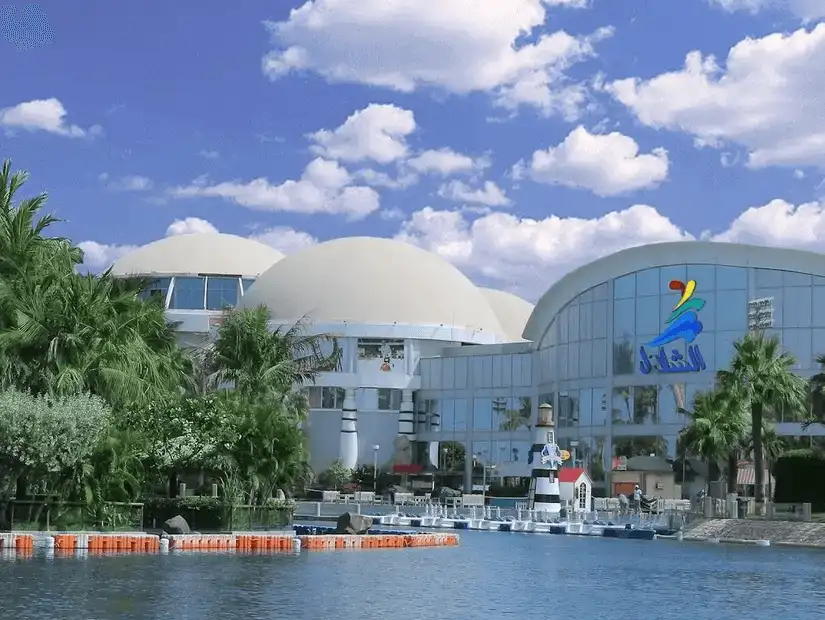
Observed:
{"x":800,"y":477}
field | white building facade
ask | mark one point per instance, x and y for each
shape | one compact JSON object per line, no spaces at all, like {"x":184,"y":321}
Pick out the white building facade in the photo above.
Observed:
{"x":605,"y":353}
{"x":617,"y":347}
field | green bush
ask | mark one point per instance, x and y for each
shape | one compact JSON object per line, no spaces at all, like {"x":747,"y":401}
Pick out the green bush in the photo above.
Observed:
{"x":800,"y":477}
{"x":213,"y":514}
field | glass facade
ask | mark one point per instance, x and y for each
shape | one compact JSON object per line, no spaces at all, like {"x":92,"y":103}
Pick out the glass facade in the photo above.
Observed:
{"x":616,"y":393}
{"x":199,"y":292}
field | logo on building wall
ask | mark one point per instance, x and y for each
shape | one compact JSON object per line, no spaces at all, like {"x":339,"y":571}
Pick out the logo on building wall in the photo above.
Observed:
{"x":682,"y":324}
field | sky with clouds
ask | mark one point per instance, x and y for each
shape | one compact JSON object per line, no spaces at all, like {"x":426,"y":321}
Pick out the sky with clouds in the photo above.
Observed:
{"x":518,"y":139}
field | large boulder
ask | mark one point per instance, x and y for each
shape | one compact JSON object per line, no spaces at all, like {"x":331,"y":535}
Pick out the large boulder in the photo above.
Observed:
{"x":176,"y":525}
{"x":351,"y":523}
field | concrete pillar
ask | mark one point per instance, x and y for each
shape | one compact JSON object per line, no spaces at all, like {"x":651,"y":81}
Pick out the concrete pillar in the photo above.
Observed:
{"x":708,"y":508}
{"x":348,"y":451}
{"x":545,"y":457}
{"x":806,"y":512}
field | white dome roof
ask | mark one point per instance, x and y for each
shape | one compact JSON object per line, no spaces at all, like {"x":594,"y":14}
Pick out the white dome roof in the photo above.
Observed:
{"x":192,"y":254}
{"x":512,"y":311}
{"x":372,"y":281}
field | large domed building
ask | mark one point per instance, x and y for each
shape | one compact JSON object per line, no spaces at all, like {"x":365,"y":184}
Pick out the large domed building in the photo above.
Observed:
{"x":388,"y":304}
{"x":198,"y":275}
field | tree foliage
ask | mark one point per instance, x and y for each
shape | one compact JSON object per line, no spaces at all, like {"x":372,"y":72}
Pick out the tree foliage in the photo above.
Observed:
{"x":99,"y":402}
{"x":50,"y":438}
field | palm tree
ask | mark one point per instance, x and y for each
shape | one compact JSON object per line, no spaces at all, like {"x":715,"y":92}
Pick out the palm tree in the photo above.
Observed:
{"x":258,"y":360}
{"x":761,"y":377}
{"x":715,"y":431}
{"x":76,"y":333}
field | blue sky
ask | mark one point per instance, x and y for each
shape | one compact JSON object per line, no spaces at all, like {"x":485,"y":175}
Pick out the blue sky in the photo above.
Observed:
{"x":517,"y":139}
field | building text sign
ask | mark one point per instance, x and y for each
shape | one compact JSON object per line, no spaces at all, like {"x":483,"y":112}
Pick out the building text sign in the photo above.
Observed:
{"x":760,"y":314}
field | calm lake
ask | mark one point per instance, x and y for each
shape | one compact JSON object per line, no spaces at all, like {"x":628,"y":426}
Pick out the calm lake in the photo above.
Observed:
{"x":492,"y":575}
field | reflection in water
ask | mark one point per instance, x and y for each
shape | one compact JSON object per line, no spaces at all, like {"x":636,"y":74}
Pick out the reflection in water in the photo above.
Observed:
{"x":491,"y":575}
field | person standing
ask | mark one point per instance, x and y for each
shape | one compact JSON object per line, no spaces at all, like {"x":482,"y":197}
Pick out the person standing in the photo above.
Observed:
{"x":637,"y":500}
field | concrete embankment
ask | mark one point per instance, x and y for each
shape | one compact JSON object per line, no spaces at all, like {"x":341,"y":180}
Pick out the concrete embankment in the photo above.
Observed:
{"x":756,"y":532}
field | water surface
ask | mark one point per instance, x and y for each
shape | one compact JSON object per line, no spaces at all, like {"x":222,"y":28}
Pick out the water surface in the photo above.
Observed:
{"x":492,"y":575}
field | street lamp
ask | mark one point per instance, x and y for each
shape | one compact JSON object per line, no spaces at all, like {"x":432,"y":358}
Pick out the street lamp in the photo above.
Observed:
{"x":375,"y":468}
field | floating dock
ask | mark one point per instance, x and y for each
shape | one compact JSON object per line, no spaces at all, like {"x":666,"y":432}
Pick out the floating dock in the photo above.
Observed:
{"x":303,"y":538}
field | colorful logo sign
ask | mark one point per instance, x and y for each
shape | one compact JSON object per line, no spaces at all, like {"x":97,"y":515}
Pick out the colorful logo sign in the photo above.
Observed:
{"x":682,"y":324}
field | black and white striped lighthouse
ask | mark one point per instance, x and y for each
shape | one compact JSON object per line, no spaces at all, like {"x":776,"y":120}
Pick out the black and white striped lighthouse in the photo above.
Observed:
{"x":545,"y":457}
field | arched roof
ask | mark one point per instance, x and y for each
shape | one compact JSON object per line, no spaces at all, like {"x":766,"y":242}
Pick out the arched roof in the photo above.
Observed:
{"x":512,"y":311}
{"x":372,"y":281}
{"x":662,"y":255}
{"x":195,"y":253}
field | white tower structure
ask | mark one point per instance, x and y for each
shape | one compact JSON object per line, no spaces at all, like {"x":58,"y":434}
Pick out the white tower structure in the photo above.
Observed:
{"x":406,"y":416}
{"x":545,"y":457}
{"x":348,"y":451}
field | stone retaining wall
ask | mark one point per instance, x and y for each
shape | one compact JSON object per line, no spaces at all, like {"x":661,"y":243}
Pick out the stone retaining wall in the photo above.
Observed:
{"x":778,"y":532}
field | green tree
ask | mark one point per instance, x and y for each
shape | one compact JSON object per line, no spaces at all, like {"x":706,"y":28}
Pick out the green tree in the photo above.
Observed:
{"x":77,"y":333}
{"x":761,"y":377}
{"x":335,"y":476}
{"x":50,"y":439}
{"x":257,"y":359}
{"x":715,"y":430}
{"x":270,"y":449}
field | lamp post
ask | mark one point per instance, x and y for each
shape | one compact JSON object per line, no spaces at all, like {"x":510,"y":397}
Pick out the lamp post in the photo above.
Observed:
{"x":573,"y":445}
{"x":375,"y":468}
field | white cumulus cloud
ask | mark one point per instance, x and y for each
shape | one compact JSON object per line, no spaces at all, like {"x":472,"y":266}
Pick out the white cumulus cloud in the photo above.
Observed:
{"x":767,"y":98}
{"x":101,"y":255}
{"x":526,"y":255}
{"x":190,"y":225}
{"x":489,"y":194}
{"x":47,"y":115}
{"x":405,"y":45}
{"x":606,"y":164}
{"x":445,"y":162}
{"x":97,"y":256}
{"x":378,"y":132}
{"x":324,"y":187}
{"x":285,"y":239}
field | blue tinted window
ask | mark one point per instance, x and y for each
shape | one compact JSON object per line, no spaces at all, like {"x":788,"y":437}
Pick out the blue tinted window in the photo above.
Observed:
{"x":792,"y":278}
{"x":624,"y":287}
{"x":796,"y":307}
{"x":768,"y":278}
{"x":647,"y":315}
{"x":647,"y":282}
{"x":221,"y":293}
{"x":624,"y":318}
{"x":156,"y":288}
{"x":731,"y":310}
{"x":462,"y":412}
{"x":187,"y":294}
{"x":482,"y":414}
{"x":731,"y":278}
{"x":705,"y":276}
{"x":247,"y":283}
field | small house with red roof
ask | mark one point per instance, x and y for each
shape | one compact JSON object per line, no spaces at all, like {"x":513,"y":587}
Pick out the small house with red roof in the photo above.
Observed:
{"x":576,"y":488}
